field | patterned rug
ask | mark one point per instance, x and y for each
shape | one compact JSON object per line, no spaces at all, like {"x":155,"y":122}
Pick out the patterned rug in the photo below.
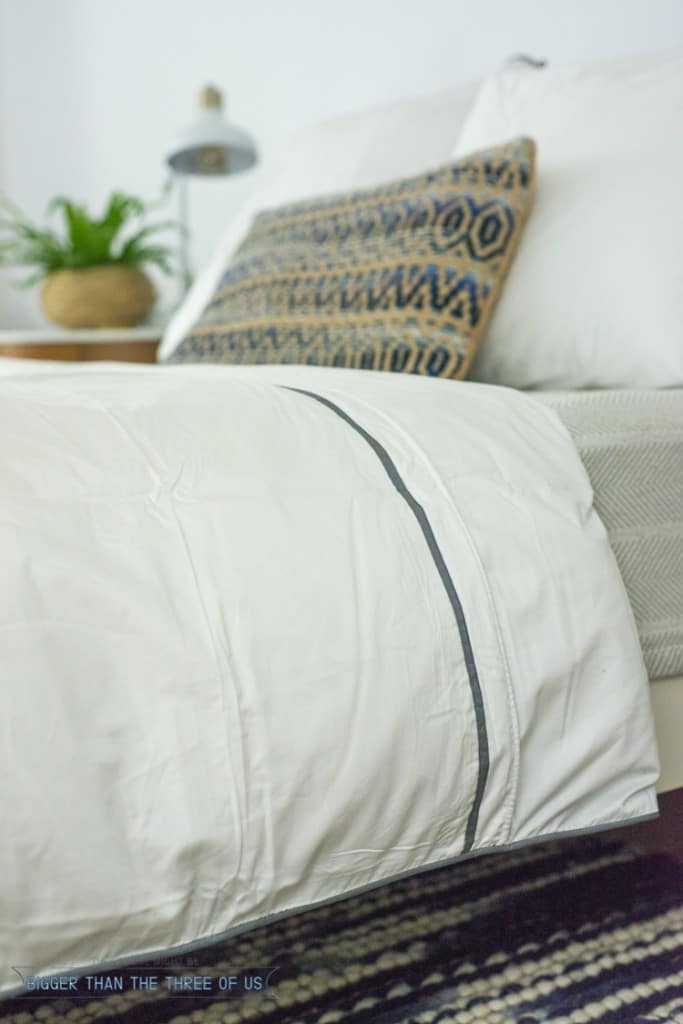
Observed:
{"x":564,"y":933}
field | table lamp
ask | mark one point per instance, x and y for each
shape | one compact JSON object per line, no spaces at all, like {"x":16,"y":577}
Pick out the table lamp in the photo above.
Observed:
{"x":209,"y":145}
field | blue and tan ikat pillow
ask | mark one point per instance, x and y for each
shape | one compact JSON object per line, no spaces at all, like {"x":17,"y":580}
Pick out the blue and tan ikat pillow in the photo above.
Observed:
{"x":400,"y":277}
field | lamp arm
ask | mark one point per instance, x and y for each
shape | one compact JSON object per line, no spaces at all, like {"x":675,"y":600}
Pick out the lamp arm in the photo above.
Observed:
{"x":184,"y":233}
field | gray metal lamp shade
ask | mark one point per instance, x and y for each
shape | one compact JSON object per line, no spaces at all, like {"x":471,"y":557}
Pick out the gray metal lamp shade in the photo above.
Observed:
{"x":210,"y":145}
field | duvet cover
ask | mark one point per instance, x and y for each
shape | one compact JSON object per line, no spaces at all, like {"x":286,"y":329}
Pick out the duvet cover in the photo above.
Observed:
{"x":270,"y":636}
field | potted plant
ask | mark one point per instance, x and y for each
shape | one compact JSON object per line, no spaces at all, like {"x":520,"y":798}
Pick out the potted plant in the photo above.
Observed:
{"x":92,"y":273}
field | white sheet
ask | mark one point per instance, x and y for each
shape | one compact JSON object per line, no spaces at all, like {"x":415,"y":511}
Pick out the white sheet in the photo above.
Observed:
{"x":260,"y":651}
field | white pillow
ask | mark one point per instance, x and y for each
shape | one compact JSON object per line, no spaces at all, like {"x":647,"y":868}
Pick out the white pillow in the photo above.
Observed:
{"x":345,"y":153}
{"x":594,"y":297}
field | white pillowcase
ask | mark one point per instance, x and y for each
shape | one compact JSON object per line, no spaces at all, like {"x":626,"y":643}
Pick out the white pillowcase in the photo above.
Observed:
{"x":594,"y":297}
{"x":345,"y":153}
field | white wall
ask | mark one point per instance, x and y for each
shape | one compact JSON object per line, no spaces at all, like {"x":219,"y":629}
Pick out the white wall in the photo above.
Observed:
{"x":93,"y":91}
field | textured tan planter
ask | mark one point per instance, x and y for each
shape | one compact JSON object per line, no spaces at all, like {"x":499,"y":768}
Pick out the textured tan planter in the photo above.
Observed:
{"x":102,"y":296}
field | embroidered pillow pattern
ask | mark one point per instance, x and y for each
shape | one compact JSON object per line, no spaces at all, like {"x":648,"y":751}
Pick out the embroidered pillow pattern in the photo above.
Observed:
{"x":401,"y":277}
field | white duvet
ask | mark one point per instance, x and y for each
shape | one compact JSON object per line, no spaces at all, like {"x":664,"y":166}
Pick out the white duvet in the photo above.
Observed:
{"x":272,"y":635}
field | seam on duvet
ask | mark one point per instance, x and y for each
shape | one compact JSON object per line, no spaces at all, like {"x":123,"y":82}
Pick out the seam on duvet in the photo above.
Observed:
{"x":511,"y":800}
{"x":423,"y":522}
{"x":231,"y":799}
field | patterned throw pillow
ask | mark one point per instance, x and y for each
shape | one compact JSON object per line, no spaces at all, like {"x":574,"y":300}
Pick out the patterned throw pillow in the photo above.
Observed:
{"x":399,"y":277}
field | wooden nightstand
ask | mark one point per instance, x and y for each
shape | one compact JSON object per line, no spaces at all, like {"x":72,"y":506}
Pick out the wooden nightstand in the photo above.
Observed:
{"x":127,"y":344}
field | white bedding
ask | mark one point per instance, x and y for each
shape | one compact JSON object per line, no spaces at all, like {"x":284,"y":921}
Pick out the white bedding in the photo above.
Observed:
{"x":262,"y":648}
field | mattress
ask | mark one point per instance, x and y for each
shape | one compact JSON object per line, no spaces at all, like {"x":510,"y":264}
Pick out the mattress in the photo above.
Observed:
{"x":631,"y":443}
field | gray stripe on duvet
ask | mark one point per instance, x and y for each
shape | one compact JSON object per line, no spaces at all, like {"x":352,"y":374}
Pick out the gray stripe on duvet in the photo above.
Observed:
{"x":438,"y":559}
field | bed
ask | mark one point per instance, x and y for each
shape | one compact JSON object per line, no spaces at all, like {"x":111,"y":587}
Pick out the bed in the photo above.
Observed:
{"x":440,"y":613}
